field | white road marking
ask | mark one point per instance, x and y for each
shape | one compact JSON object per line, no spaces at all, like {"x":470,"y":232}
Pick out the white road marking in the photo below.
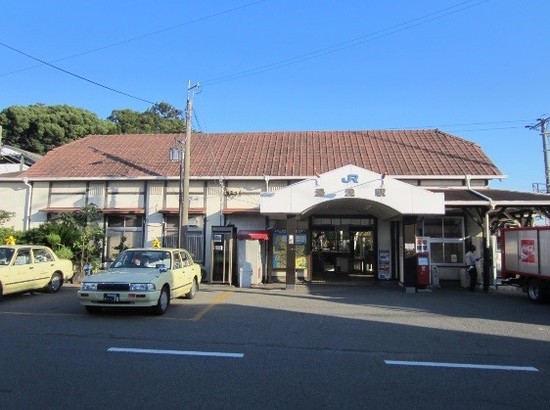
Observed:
{"x":175,"y":352}
{"x":463,"y":365}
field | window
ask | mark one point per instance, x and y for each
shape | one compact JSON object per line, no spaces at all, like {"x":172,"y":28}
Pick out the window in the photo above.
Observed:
{"x":23,"y":257}
{"x":446,"y":227}
{"x":186,"y":259}
{"x":446,"y":239}
{"x":5,"y":255}
{"x":123,"y":229}
{"x":178,"y":264}
{"x":42,"y":255}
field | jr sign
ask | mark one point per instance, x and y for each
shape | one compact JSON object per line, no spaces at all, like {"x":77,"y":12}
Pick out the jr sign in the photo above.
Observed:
{"x":351,"y":178}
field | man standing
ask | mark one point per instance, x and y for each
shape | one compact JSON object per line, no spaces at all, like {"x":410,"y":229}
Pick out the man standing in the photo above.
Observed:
{"x":471,"y":268}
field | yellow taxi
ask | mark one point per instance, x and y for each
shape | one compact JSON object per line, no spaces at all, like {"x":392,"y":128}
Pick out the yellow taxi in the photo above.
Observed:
{"x":32,"y":267}
{"x":144,"y":277}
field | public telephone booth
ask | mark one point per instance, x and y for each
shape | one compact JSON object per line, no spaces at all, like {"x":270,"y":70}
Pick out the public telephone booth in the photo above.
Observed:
{"x":223,"y":254}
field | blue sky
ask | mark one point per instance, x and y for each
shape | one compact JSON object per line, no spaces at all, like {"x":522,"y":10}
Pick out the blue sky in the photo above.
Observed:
{"x":477,"y":69}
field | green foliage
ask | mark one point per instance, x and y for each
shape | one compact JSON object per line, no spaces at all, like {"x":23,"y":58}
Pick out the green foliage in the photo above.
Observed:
{"x":5,"y":233}
{"x":76,"y":234}
{"x":160,"y":118}
{"x":88,"y":243}
{"x":39,"y":128}
{"x":54,"y":239}
{"x":64,"y":252}
{"x":122,"y":245}
{"x":46,"y":232}
{"x":5,"y":216}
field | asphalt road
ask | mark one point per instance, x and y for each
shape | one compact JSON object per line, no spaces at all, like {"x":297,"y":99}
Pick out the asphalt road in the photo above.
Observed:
{"x":309,"y":347}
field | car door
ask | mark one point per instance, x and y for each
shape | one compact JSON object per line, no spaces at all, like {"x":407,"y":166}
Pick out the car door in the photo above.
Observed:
{"x":21,"y":272}
{"x":178,"y":278}
{"x":44,"y":266}
{"x":188,"y":273}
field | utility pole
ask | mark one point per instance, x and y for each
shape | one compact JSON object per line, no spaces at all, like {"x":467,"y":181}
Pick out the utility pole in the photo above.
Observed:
{"x":542,"y":125}
{"x":186,"y":160}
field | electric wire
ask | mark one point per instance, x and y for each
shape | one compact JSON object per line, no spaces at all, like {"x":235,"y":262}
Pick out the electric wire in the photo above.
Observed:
{"x":315,"y":54}
{"x":140,"y":36}
{"x":350,"y":43}
{"x":450,"y":127}
{"x":304,"y":57}
{"x":75,"y":75}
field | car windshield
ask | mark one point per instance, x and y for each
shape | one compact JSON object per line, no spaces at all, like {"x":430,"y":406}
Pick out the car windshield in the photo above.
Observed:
{"x":139,"y":259}
{"x":5,"y":255}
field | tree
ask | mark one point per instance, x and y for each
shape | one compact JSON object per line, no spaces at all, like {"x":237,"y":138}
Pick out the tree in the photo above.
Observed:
{"x":161,"y":118}
{"x":76,"y":233}
{"x":88,"y":243}
{"x":39,"y":128}
{"x":5,"y":216}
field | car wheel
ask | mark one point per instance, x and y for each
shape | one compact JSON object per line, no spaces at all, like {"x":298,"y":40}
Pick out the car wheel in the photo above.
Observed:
{"x":55,"y":283}
{"x":93,"y":309}
{"x":536,"y":291}
{"x":193,"y":290}
{"x":163,"y":302}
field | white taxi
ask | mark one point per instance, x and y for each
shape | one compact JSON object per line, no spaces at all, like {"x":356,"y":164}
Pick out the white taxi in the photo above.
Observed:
{"x":144,"y":277}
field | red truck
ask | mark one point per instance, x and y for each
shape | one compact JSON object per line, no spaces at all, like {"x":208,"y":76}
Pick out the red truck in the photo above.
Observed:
{"x":526,"y":260}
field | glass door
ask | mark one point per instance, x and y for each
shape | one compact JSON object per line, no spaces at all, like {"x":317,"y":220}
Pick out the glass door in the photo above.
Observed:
{"x":363,"y":252}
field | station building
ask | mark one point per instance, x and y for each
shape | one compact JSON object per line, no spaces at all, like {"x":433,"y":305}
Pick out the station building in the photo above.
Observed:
{"x":286,"y":206}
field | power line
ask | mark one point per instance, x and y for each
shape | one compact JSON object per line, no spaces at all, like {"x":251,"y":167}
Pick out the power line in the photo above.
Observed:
{"x":138,"y":37}
{"x":350,"y":43}
{"x":450,"y":127}
{"x":485,"y":129}
{"x":75,"y":75}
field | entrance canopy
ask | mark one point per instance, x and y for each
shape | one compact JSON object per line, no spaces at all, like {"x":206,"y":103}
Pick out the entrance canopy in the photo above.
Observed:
{"x":261,"y":235}
{"x":357,"y":189}
{"x":505,"y":208}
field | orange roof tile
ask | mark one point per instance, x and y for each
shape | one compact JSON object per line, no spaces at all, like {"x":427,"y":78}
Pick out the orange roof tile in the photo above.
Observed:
{"x":305,"y":153}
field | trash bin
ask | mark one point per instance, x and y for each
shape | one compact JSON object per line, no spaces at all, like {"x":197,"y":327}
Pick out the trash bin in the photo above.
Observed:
{"x":87,"y":269}
{"x":464,"y":278}
{"x":245,"y":277}
{"x":435,"y":277}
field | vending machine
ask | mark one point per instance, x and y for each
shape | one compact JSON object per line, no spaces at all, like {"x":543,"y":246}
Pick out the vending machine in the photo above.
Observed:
{"x":422,"y":269}
{"x":423,"y":261}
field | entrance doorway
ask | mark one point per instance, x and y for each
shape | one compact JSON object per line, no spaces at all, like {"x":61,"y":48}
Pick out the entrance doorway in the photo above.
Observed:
{"x":343,"y":252}
{"x":363,"y":253}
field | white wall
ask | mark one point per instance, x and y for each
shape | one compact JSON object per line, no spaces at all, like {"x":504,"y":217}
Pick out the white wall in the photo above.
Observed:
{"x":13,"y":199}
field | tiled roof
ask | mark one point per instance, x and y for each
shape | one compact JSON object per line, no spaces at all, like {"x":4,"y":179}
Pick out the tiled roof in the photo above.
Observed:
{"x":415,"y":152}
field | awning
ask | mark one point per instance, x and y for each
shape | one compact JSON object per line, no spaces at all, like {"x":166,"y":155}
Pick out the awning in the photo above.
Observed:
{"x":255,"y":234}
{"x":175,"y":211}
{"x":106,"y":211}
{"x":58,"y":210}
{"x":123,"y":211}
{"x":231,"y":211}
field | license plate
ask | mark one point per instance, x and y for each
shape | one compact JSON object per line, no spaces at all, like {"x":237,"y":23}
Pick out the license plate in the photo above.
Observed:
{"x":111,"y":297}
